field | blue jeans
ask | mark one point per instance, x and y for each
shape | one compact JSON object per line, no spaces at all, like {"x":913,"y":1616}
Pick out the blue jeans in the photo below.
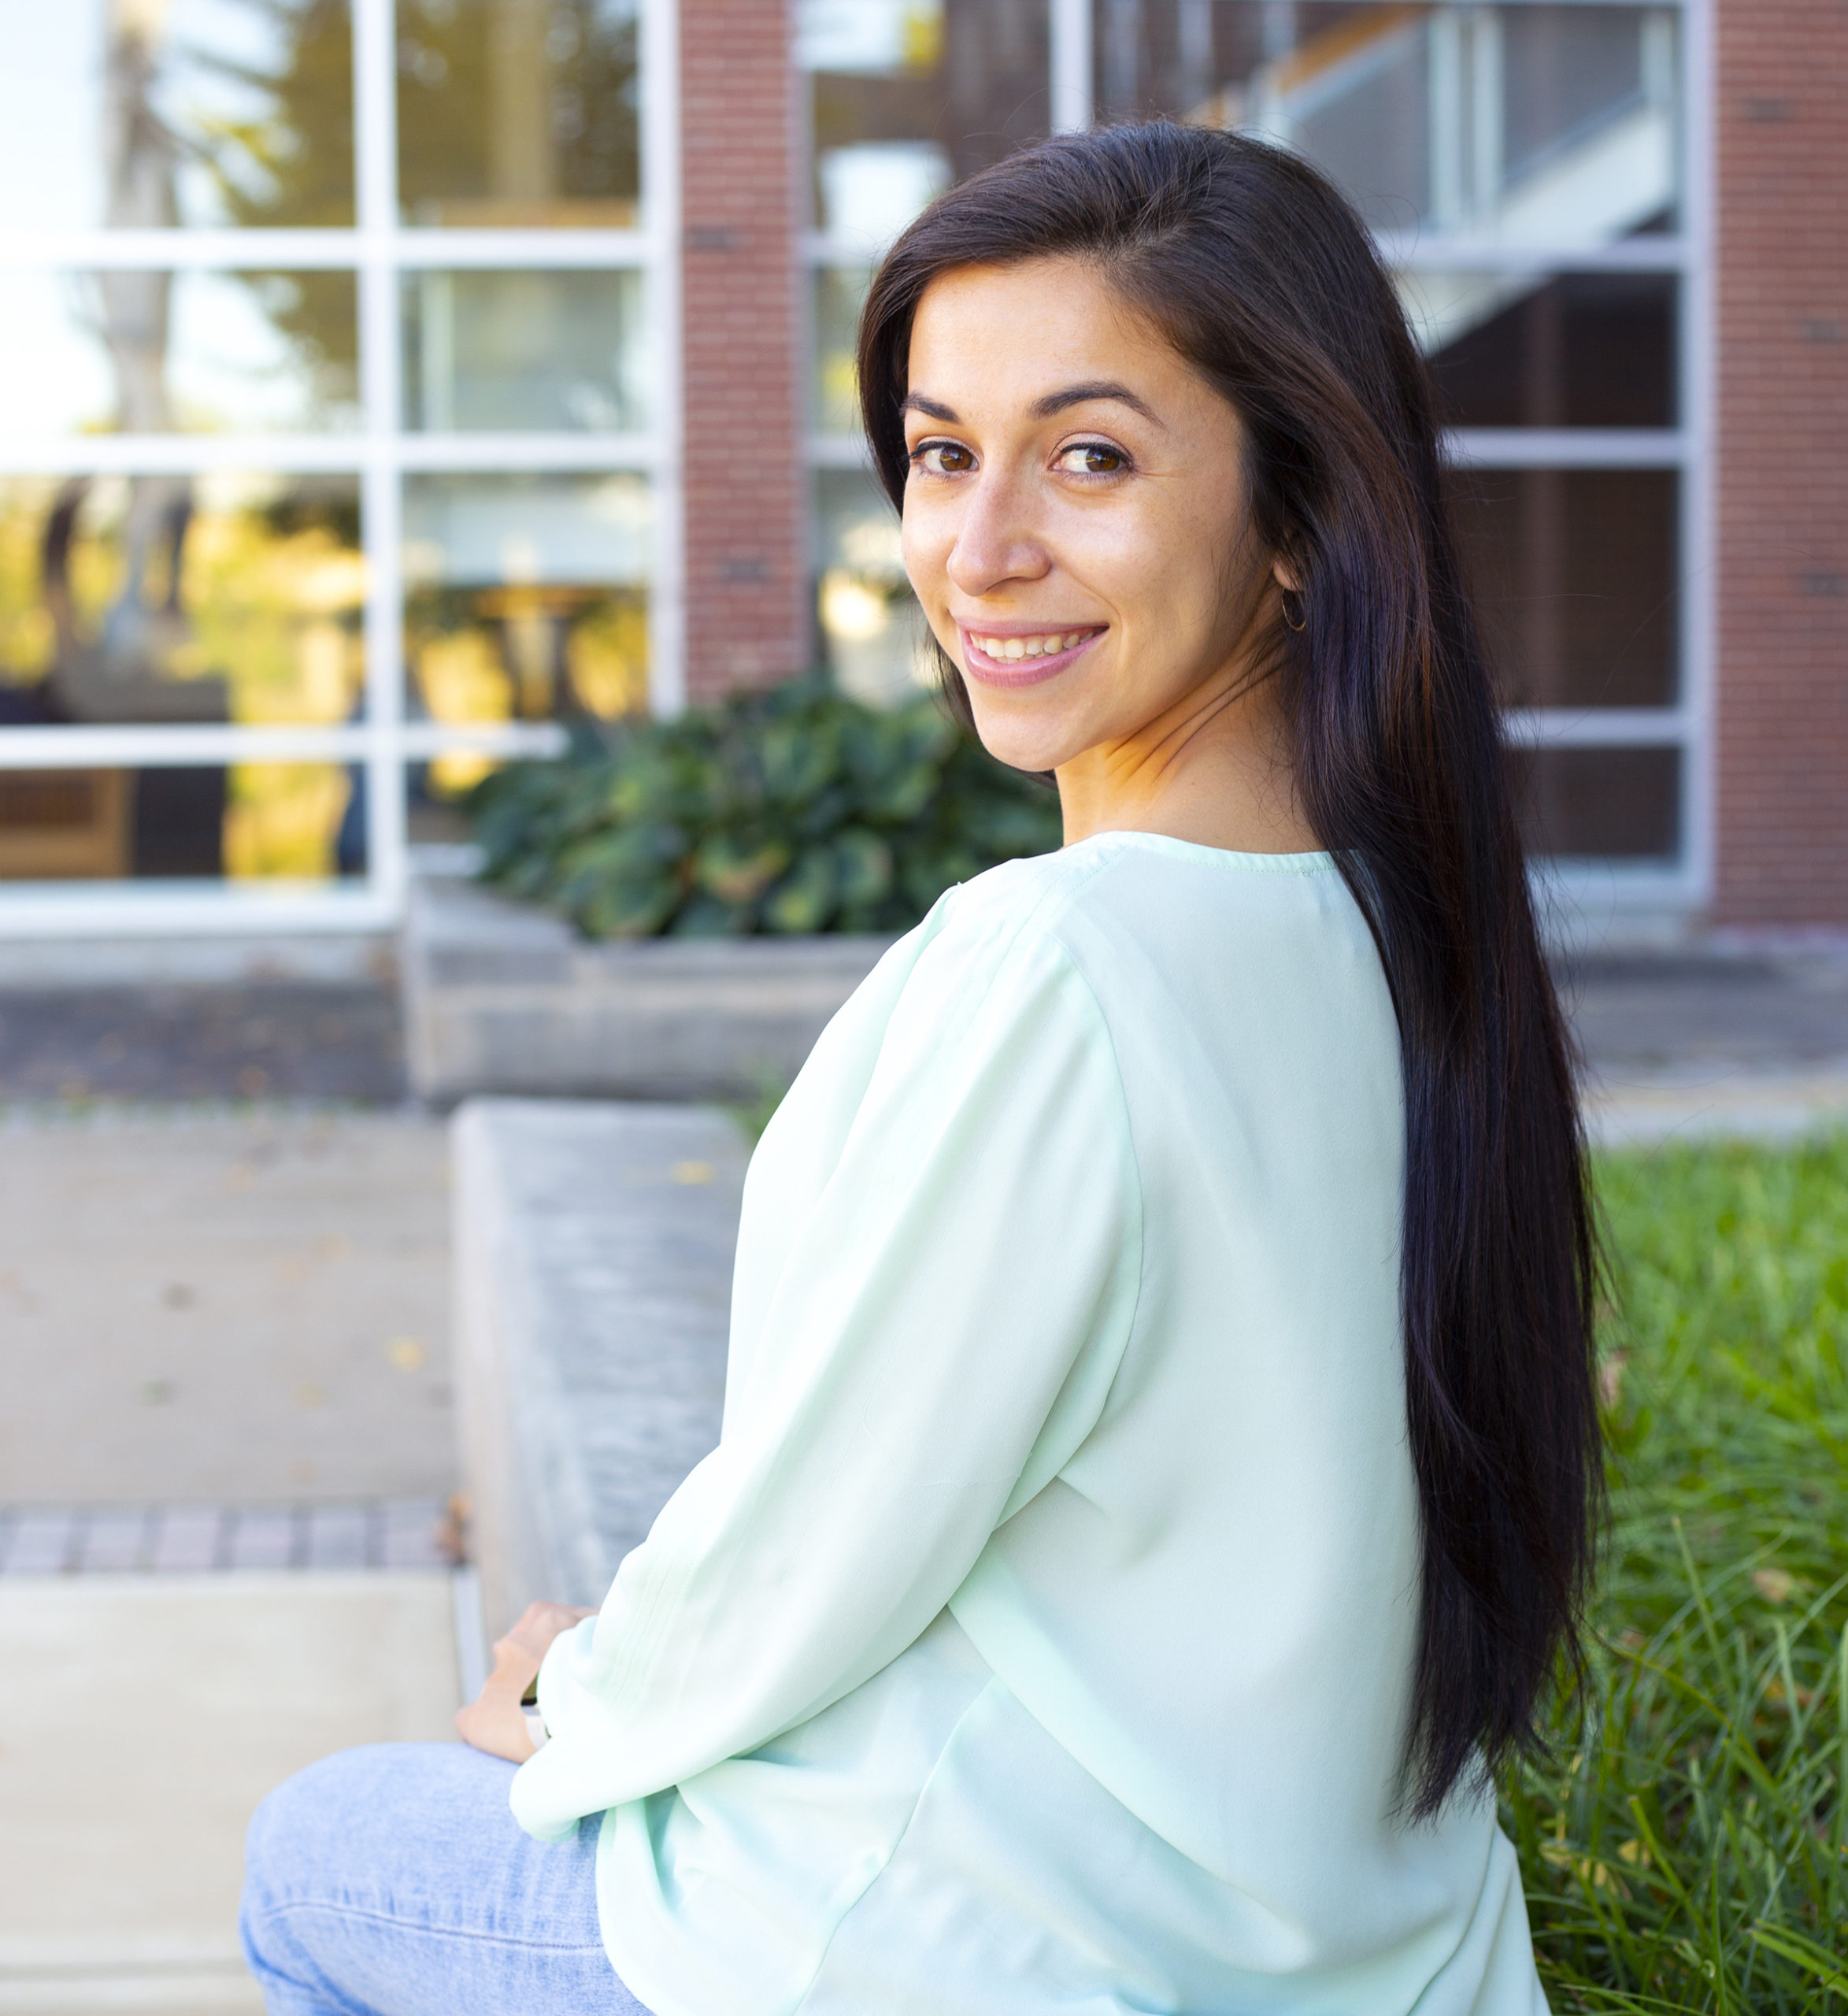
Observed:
{"x":392,"y":1882}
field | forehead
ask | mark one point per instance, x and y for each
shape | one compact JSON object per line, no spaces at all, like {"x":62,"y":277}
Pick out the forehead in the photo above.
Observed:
{"x":1013,"y":333}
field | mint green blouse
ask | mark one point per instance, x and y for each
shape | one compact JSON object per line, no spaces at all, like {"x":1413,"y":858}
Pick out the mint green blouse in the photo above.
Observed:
{"x":1038,"y":1637}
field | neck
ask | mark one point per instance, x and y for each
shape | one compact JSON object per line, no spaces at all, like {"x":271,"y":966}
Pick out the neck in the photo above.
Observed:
{"x":1215,"y":769}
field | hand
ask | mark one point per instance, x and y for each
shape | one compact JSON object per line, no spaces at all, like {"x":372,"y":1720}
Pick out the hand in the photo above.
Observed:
{"x":495,"y":1721}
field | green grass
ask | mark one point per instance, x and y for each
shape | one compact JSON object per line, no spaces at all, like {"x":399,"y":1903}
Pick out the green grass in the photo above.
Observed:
{"x":1687,"y":1848}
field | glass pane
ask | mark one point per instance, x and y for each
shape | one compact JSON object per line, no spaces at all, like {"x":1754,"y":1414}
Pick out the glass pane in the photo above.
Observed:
{"x":1574,"y":573}
{"x":910,"y":95}
{"x":518,"y":112}
{"x":1534,"y":123}
{"x":526,"y":599}
{"x":251,"y":822}
{"x":840,"y":293}
{"x":874,"y":640}
{"x":191,"y":111}
{"x":1613,"y":804}
{"x":554,"y":352}
{"x":162,"y":353}
{"x":213,"y":598}
{"x":436,"y":806}
{"x":1584,"y":350}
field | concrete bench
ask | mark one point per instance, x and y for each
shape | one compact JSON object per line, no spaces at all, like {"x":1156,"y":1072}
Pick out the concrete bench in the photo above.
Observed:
{"x":593,"y":1244}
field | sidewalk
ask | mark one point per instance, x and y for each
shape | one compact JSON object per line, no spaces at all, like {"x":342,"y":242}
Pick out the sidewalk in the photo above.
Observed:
{"x":224,"y":1349}
{"x":237,"y":1306}
{"x":144,"y":1718}
{"x":1680,"y":1047}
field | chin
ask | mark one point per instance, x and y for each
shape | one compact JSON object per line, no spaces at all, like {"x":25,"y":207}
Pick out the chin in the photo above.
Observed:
{"x":1022,"y":745}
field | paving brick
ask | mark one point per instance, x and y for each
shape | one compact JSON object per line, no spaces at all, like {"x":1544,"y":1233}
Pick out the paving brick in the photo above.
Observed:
{"x":264,"y":1540}
{"x":337,"y":1536}
{"x":41,"y":1542}
{"x":113,"y":1541}
{"x":411,"y":1535}
{"x":187,"y":1539}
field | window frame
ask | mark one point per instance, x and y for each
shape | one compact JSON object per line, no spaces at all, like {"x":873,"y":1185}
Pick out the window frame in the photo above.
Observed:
{"x":379,"y":250}
{"x":1584,"y":886}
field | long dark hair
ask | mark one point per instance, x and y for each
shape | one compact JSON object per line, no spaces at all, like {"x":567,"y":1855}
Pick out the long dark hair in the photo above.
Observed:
{"x":1261,"y":277}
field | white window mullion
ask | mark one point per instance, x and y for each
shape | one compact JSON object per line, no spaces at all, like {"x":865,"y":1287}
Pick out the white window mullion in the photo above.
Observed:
{"x":1444,"y":121}
{"x":1568,"y":448}
{"x":183,"y":250}
{"x":1069,"y":30}
{"x":180,"y":455}
{"x":1460,"y":252}
{"x":182,"y":909}
{"x":374,"y":125}
{"x":1595,"y":727}
{"x":138,"y":746}
{"x":1700,"y":612}
{"x":660,"y":57}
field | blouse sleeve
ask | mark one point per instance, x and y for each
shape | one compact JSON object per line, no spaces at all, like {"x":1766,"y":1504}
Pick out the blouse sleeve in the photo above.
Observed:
{"x":939,"y":1339}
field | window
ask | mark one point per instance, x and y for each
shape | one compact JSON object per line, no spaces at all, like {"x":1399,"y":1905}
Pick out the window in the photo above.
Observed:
{"x":1523,"y":166}
{"x":327,"y":440}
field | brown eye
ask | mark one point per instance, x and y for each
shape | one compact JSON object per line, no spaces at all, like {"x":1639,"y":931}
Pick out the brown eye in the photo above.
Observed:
{"x":942,"y":458}
{"x":1094,"y":458}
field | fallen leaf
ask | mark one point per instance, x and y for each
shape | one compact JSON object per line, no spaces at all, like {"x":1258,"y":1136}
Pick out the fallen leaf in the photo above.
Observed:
{"x":1775,"y":1585}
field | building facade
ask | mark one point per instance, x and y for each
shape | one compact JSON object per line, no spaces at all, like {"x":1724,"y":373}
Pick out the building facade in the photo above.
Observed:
{"x":390,"y":382}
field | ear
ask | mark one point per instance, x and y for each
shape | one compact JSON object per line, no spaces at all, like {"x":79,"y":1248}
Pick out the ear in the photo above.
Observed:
{"x":1286,"y":576}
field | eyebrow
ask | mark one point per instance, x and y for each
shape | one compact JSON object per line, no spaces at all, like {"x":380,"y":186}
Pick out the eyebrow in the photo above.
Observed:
{"x":1044,"y":408}
{"x":1079,"y":395}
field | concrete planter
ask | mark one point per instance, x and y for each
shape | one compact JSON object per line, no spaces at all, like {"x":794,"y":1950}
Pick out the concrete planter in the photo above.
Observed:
{"x":502,"y":998}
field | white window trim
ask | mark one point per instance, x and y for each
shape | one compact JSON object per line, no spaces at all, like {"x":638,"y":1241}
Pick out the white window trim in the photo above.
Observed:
{"x":378,"y":454}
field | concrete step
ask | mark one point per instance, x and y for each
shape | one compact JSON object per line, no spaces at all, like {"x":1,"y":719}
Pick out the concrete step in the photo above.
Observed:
{"x":142,"y":1719}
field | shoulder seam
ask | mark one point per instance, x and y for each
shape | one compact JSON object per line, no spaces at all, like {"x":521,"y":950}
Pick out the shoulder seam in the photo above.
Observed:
{"x":1055,"y":898}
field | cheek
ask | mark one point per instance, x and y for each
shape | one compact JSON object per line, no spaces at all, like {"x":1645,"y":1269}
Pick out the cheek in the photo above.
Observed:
{"x":919,"y":546}
{"x":1170,"y":568}
{"x":1130,"y":560}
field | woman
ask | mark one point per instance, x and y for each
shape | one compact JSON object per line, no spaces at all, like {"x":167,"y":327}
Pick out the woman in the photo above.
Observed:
{"x":1159,"y":1440}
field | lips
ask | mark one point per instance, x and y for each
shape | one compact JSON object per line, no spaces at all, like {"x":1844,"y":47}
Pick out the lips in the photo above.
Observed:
{"x":1016,"y":656}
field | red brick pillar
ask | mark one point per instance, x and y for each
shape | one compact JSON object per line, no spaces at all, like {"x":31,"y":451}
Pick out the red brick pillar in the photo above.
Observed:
{"x":746,"y":484}
{"x":1781,"y":80}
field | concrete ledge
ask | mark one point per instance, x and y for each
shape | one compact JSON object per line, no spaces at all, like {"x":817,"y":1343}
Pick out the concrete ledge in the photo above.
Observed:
{"x":1767,"y":1108}
{"x":503,"y":997}
{"x":594,"y":1247}
{"x":156,"y":1711}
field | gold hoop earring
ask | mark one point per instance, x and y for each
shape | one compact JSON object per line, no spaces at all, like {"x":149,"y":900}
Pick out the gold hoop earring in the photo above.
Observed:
{"x":1289,"y":596}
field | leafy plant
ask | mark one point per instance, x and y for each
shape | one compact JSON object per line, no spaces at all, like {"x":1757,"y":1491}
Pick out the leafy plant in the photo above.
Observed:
{"x":1686,"y":1849}
{"x":794,"y":810}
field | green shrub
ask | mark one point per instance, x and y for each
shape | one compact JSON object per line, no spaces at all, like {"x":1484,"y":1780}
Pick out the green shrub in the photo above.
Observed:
{"x":793,"y":810}
{"x":1688,"y":1847}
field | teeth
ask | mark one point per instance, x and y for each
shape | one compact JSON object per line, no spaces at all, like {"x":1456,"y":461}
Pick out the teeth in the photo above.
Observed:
{"x":1046,"y":645}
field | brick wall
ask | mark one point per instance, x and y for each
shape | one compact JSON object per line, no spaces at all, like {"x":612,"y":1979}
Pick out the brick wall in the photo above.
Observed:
{"x":747,"y":617}
{"x":1782,"y":80}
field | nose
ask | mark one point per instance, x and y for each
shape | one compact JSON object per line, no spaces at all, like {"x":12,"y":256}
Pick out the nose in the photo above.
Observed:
{"x":996,"y":540}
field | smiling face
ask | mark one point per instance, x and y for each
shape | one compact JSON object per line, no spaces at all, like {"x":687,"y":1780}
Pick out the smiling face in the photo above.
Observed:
{"x":1076,"y":523}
